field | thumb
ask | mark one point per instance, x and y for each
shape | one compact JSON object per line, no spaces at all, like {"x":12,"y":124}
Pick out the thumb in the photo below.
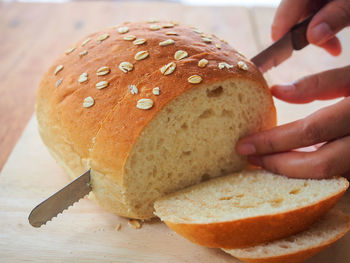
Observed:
{"x":328,"y":21}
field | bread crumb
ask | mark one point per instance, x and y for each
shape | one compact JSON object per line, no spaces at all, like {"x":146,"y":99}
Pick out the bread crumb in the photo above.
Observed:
{"x":135,"y":223}
{"x":118,"y":227}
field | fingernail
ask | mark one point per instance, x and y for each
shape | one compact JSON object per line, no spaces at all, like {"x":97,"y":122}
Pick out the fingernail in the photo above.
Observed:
{"x":255,"y":160}
{"x":246,"y":149}
{"x":320,"y":33}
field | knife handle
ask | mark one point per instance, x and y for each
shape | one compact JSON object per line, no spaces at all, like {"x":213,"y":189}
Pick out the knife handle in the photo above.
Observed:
{"x":298,"y":33}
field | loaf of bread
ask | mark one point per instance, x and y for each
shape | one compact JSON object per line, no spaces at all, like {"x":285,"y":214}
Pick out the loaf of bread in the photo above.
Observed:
{"x":299,"y":247}
{"x":150,"y":108}
{"x":248,"y":208}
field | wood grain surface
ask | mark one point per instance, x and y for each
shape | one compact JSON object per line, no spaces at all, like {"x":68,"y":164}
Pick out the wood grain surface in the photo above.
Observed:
{"x":86,"y":232}
{"x":32,"y":36}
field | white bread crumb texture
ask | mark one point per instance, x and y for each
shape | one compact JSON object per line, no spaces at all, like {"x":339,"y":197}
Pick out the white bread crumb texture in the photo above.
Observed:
{"x":243,"y":195}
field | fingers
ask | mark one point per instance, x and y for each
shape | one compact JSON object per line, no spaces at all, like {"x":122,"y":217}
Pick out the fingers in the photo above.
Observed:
{"x":324,"y":125}
{"x":329,"y":20}
{"x":330,"y":160}
{"x":326,"y":85}
{"x":332,"y":46}
{"x":333,"y":17}
{"x":287,"y":15}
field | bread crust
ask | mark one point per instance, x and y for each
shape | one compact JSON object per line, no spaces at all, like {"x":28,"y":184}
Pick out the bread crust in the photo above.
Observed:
{"x":255,"y":230}
{"x":298,"y":256}
{"x":101,"y":137}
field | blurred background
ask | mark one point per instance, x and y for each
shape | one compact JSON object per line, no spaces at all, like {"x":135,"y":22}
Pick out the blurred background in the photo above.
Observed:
{"x":34,"y":33}
{"x":191,"y":2}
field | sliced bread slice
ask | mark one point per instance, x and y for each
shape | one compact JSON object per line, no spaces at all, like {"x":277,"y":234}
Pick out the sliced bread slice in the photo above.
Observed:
{"x":248,"y":208}
{"x":299,"y":247}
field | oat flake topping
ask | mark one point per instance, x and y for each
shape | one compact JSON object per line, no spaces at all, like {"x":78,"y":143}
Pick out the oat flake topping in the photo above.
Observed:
{"x":195,"y":79}
{"x":129,"y":37}
{"x":168,"y":25}
{"x":167,"y":42}
{"x":70,"y":50}
{"x":168,"y":68}
{"x":126,"y":66}
{"x":85,"y":41}
{"x":123,"y":30}
{"x":206,"y":39}
{"x":171,"y":33}
{"x":102,"y":38}
{"x":103,"y":71}
{"x":156,"y":91}
{"x":139,"y":41}
{"x":83,"y":53}
{"x":88,"y":102}
{"x":144,"y":104}
{"x":133,"y":89}
{"x":141,"y":55}
{"x":202,"y":63}
{"x":242,"y":65}
{"x":223,"y":65}
{"x":180,"y":54}
{"x":58,"y":82}
{"x":102,"y":84}
{"x":154,"y":27}
{"x":58,"y":69}
{"x":83,"y":77}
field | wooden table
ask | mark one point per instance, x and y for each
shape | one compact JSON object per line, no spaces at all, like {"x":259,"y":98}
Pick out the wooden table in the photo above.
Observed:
{"x":33,"y":35}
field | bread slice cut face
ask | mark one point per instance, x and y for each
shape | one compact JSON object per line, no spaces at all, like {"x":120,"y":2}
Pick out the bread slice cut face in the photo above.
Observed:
{"x":248,"y":208}
{"x":190,"y":140}
{"x":299,"y":247}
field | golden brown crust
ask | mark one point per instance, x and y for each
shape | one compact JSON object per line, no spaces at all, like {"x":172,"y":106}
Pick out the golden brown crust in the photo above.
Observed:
{"x":103,"y":135}
{"x":255,"y":230}
{"x":298,"y":256}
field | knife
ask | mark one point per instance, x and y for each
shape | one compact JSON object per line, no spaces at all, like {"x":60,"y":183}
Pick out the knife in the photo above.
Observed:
{"x":274,"y":55}
{"x":283,"y":48}
{"x":61,"y":200}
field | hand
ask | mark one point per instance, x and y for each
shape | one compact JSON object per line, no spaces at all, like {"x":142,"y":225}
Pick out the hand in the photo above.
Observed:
{"x":274,"y":149}
{"x":332,"y":16}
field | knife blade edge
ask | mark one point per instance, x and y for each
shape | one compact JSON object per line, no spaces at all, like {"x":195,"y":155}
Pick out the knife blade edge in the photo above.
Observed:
{"x":60,"y":201}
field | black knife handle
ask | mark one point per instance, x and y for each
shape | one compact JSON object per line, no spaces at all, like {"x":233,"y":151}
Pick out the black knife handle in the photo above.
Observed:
{"x":298,"y":32}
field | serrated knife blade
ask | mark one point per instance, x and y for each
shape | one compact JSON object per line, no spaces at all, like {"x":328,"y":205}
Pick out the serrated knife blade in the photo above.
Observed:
{"x":61,"y":200}
{"x":283,"y":48}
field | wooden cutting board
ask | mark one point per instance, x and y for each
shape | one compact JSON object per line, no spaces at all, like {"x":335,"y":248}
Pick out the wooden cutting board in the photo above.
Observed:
{"x":86,"y":232}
